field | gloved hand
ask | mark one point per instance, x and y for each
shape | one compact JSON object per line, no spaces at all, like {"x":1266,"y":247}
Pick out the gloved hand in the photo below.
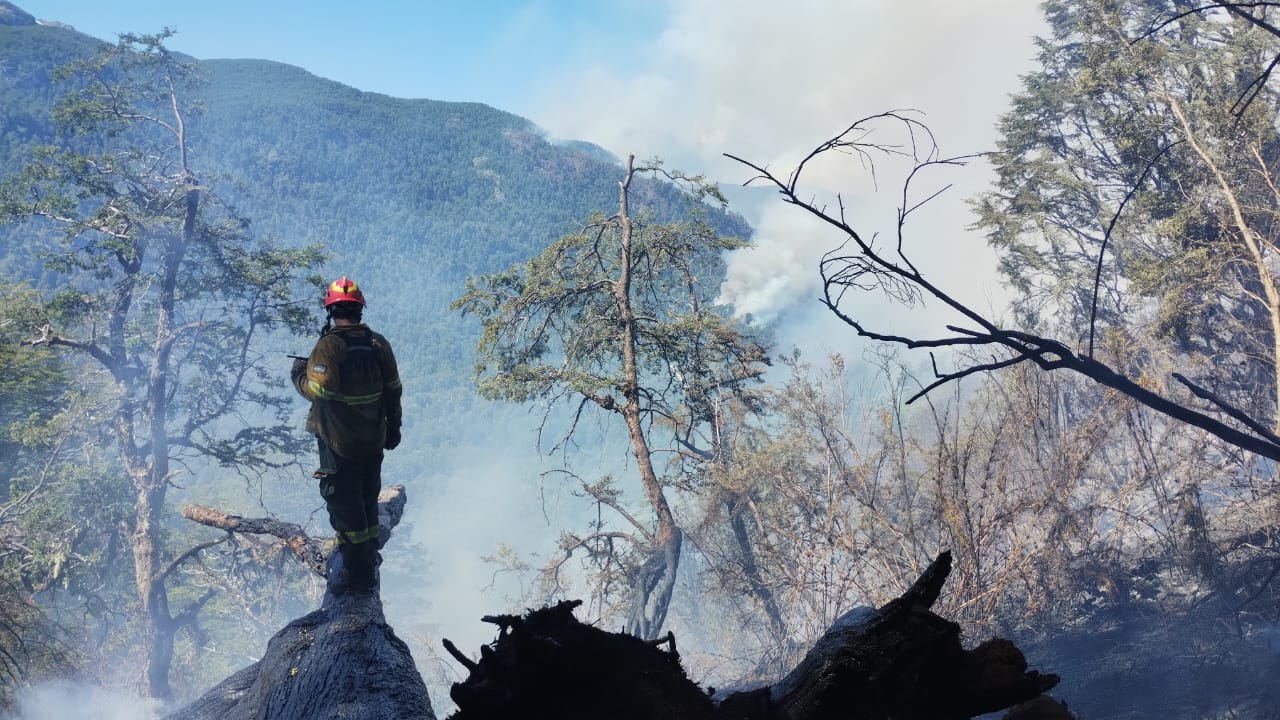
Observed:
{"x":299,"y":367}
{"x":393,"y":438}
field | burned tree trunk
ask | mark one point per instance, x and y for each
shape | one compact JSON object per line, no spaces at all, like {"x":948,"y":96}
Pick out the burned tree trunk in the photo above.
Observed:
{"x":901,"y":661}
{"x":547,"y":664}
{"x":341,"y":661}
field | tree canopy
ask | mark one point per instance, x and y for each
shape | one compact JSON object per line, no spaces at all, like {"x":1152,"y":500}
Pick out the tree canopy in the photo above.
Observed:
{"x":620,"y":317}
{"x":164,"y":291}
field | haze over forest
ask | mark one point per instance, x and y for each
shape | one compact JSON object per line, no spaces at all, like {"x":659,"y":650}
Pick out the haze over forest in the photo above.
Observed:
{"x":1097,"y":445}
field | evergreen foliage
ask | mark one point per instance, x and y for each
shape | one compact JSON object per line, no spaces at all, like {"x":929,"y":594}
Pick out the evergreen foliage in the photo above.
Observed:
{"x":163,"y":294}
{"x":619,"y":317}
{"x":1128,"y":157}
{"x":1135,"y":194}
{"x":410,"y":197}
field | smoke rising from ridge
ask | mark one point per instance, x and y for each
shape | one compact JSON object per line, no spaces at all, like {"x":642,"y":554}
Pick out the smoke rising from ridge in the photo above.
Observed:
{"x":768,"y":84}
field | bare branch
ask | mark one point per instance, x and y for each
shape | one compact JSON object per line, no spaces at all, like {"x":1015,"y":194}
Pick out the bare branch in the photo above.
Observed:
{"x":865,"y":267}
{"x":307,"y":549}
{"x":1226,"y":407}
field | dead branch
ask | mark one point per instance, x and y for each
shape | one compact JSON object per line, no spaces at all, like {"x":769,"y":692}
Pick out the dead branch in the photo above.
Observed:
{"x":859,"y":264}
{"x":309,"y":550}
{"x":1226,"y":407}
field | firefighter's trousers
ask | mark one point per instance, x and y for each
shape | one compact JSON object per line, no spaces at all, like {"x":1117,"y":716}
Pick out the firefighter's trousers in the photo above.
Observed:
{"x":350,"y":490}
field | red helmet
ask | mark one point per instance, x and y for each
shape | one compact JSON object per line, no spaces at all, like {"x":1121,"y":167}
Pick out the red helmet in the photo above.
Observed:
{"x":343,"y":290}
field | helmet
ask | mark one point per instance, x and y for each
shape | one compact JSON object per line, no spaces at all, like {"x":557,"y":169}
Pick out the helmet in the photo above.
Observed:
{"x":344,"y":290}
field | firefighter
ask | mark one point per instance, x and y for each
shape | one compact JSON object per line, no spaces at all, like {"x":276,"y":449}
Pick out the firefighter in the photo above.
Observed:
{"x":354,"y":388}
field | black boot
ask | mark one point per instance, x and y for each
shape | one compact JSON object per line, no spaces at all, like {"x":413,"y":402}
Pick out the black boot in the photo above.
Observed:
{"x":371,"y":560}
{"x":356,"y":571}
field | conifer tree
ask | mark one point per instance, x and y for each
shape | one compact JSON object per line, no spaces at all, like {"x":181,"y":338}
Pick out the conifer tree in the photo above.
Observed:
{"x":620,"y":317}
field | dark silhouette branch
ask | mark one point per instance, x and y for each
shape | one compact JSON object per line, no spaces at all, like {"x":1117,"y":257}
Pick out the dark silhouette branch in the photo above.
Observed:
{"x":1226,"y":407}
{"x":466,"y":662}
{"x":1106,"y":237}
{"x":860,"y":265}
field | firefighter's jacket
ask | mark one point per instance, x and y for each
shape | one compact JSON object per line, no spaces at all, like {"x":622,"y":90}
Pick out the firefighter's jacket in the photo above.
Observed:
{"x":354,"y":388}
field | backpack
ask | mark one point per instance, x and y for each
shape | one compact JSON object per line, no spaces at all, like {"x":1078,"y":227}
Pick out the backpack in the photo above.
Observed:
{"x":360,"y":366}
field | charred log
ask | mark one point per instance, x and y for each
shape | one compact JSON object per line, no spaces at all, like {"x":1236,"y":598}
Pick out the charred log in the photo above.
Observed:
{"x":547,"y":664}
{"x":901,"y":661}
{"x":343,"y":661}
{"x":904,"y":661}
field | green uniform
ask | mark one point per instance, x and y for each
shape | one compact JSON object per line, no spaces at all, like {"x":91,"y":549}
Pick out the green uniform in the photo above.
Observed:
{"x":354,"y":387}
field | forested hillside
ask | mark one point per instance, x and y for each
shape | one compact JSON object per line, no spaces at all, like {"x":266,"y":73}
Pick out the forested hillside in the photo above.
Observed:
{"x":410,"y":197}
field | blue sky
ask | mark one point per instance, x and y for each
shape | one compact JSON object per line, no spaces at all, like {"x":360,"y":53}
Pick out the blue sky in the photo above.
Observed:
{"x":493,"y":51}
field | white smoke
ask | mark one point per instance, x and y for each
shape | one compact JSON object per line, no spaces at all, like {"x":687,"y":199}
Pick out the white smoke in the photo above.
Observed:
{"x":780,"y":269}
{"x":768,"y":82}
{"x":62,"y":700}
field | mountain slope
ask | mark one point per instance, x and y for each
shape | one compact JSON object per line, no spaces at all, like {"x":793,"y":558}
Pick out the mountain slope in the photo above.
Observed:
{"x":410,"y":196}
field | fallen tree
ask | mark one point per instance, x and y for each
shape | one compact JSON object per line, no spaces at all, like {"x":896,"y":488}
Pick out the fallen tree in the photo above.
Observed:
{"x":900,"y":661}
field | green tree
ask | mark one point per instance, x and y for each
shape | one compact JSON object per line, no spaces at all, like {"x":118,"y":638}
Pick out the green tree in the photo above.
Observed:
{"x":620,"y":317}
{"x":1135,"y":190}
{"x":37,"y":421}
{"x":164,"y":290}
